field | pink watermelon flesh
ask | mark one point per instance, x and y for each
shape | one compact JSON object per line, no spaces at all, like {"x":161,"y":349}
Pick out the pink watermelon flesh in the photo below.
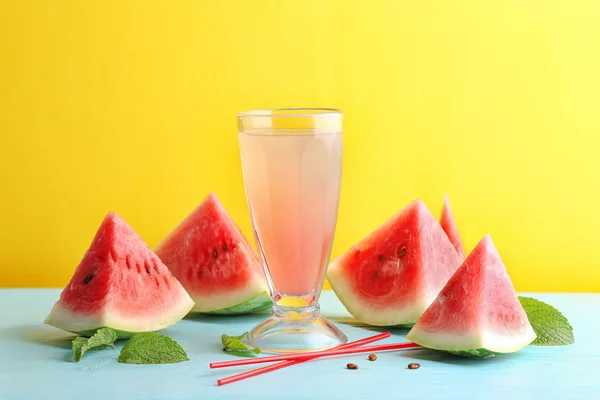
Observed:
{"x":478,"y":312}
{"x":449,"y":226}
{"x":391,"y":276}
{"x":214,"y":262}
{"x":120,"y":283}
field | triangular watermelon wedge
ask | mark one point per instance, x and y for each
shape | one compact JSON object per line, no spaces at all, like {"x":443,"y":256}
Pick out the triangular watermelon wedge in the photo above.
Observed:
{"x":449,"y":226}
{"x":213,"y":260}
{"x":120,"y":283}
{"x":392,"y":275}
{"x":478,"y":312}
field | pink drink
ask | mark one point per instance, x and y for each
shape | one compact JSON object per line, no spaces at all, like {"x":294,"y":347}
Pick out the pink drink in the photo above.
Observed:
{"x":292,"y":185}
{"x":291,"y":161}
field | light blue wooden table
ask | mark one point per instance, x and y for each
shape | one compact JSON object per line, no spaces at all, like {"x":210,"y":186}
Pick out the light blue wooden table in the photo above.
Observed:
{"x":36,"y":363}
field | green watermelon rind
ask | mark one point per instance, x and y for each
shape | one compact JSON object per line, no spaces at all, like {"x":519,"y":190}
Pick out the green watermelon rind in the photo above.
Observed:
{"x":481,"y":353}
{"x":62,"y":317}
{"x":405,"y":325}
{"x":257,"y":303}
{"x":463,"y":349}
{"x":120,"y":334}
{"x":469,"y":345}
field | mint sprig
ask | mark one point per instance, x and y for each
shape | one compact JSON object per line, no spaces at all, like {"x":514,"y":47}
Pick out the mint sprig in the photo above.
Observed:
{"x":235,"y":344}
{"x":151,"y":348}
{"x":550,"y":325}
{"x":99,"y":341}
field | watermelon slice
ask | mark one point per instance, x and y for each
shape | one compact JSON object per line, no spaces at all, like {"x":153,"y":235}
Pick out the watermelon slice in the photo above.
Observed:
{"x":391,"y":276}
{"x":449,"y":226}
{"x":120,"y":283}
{"x":215,"y":263}
{"x":478,"y":312}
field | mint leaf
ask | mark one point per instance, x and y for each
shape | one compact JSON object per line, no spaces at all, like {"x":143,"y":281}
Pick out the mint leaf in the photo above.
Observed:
{"x":234,"y":343}
{"x":103,"y":337}
{"x":151,"y":348}
{"x":77,"y":345}
{"x":99,"y":341}
{"x":550,"y":326}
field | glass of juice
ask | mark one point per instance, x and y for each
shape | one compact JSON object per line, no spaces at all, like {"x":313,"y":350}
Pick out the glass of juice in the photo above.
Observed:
{"x":292,"y":165}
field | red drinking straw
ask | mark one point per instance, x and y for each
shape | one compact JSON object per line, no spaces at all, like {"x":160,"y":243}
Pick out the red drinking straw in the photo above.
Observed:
{"x":284,"y":364}
{"x":313,"y":354}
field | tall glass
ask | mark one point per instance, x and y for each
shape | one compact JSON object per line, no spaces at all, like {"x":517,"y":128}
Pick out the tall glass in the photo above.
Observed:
{"x":292,"y":165}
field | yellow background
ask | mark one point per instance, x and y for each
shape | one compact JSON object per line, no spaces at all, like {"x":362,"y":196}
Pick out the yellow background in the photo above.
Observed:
{"x":130,"y":106}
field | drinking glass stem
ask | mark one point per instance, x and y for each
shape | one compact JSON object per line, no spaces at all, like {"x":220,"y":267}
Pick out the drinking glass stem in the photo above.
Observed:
{"x":296,"y":313}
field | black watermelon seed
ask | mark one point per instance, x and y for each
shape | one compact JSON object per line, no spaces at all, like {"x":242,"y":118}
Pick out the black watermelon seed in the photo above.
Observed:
{"x":215,"y":254}
{"x":402,"y":252}
{"x":224,"y":246}
{"x":88,"y":278}
{"x":148,"y":270}
{"x":375,"y":276}
{"x":381,"y":257}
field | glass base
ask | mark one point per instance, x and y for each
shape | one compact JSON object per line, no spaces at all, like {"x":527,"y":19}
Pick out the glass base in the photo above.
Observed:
{"x":295,"y":330}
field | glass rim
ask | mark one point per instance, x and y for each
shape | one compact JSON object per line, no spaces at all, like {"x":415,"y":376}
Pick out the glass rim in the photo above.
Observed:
{"x":302,"y":112}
